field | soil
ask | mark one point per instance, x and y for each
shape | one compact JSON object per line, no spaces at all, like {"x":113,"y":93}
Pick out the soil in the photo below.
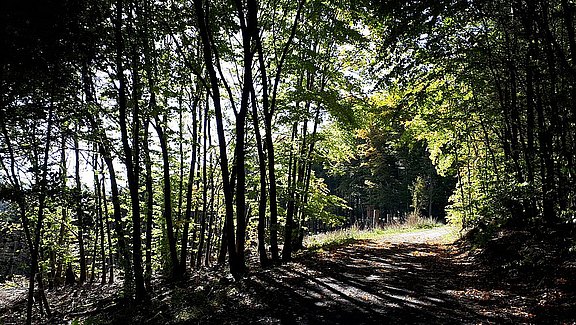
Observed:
{"x":411,"y":278}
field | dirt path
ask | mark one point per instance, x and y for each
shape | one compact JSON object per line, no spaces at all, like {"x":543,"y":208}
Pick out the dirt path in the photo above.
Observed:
{"x":400,"y":279}
{"x":410,"y":278}
{"x":429,"y":236}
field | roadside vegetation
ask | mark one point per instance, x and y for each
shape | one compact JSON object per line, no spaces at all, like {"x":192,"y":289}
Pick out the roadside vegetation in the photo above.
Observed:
{"x":344,"y":236}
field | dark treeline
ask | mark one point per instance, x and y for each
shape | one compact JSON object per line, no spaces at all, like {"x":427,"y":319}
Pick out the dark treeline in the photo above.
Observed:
{"x":142,"y":138}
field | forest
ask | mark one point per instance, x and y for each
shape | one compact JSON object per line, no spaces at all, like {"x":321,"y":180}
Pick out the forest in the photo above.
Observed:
{"x":150,"y":147}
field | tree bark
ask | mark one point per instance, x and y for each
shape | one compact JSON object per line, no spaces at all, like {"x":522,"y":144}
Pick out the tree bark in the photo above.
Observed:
{"x":203,"y":214}
{"x":149,"y":206}
{"x":189,"y":189}
{"x":131,"y":172}
{"x":79,"y":211}
{"x":288,"y":229}
{"x":100,"y":216}
{"x":174,"y":265}
{"x":108,"y":234}
{"x":263,"y":186}
{"x":35,"y":247}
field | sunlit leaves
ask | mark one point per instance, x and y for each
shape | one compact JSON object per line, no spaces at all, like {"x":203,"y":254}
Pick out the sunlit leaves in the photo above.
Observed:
{"x":324,"y":206}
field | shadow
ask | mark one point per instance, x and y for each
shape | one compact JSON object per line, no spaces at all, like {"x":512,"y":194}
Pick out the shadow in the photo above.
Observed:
{"x":367,"y":283}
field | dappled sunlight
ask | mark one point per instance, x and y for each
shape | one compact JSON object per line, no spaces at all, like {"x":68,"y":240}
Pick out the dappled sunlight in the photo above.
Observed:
{"x":370,"y":282}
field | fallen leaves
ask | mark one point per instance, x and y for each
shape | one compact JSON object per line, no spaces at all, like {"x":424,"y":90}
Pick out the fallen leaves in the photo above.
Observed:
{"x":471,"y":293}
{"x":421,"y":253}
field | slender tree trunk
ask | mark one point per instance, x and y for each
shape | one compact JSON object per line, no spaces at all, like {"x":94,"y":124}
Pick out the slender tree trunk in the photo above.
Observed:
{"x":168,"y":197}
{"x":79,"y":211}
{"x":211,"y":224}
{"x":108,"y":234}
{"x":125,"y":260}
{"x":248,"y":18}
{"x":64,"y":220}
{"x":98,"y":191}
{"x":149,"y":65}
{"x":204,"y":190}
{"x":554,"y":177}
{"x":104,"y":150}
{"x":181,"y":163}
{"x":94,"y":254}
{"x":306,"y":180}
{"x":530,"y":122}
{"x":545,"y":160}
{"x":42,"y":294}
{"x":430,"y":193}
{"x":299,"y":186}
{"x":197,"y":215}
{"x":292,"y":166}
{"x":273,"y":192}
{"x":35,"y":247}
{"x":263,"y":186}
{"x":223,"y":244}
{"x":189,"y":189}
{"x":149,"y":206}
{"x":269,"y":107}
{"x":215,"y":87}
{"x":131,"y":168}
{"x":568,"y":9}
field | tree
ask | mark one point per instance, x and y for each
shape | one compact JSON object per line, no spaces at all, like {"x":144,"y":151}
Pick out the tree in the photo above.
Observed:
{"x":208,"y":55}
{"x":130,"y":154}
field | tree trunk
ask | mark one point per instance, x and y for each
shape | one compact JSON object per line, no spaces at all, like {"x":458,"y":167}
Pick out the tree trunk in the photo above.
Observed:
{"x":125,"y":260}
{"x":94,"y":254}
{"x":99,"y":214}
{"x":306,"y":180}
{"x":189,"y":189}
{"x":174,"y":265}
{"x":79,"y":211}
{"x":204,"y":190}
{"x":196,"y":215}
{"x":223,"y":244}
{"x":149,"y":206}
{"x":131,"y":169}
{"x":292,"y":167}
{"x":64,"y":220}
{"x":248,"y":18}
{"x":181,"y":163}
{"x":269,"y":107}
{"x":263,"y":186}
{"x":211,"y":224}
{"x":35,"y":247}
{"x":108,"y":234}
{"x":215,"y":87}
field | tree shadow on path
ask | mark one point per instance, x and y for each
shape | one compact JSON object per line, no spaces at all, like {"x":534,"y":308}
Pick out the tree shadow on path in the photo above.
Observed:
{"x":378,"y":283}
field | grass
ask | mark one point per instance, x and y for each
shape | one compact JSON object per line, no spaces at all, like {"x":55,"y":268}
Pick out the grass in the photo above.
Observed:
{"x":328,"y":240}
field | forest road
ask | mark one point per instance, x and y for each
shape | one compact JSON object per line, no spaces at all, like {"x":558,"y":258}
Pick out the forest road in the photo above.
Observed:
{"x":428,"y":236}
{"x":409,"y":278}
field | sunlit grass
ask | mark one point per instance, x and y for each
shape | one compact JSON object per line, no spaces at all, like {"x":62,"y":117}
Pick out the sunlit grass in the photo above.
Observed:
{"x":345,"y":236}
